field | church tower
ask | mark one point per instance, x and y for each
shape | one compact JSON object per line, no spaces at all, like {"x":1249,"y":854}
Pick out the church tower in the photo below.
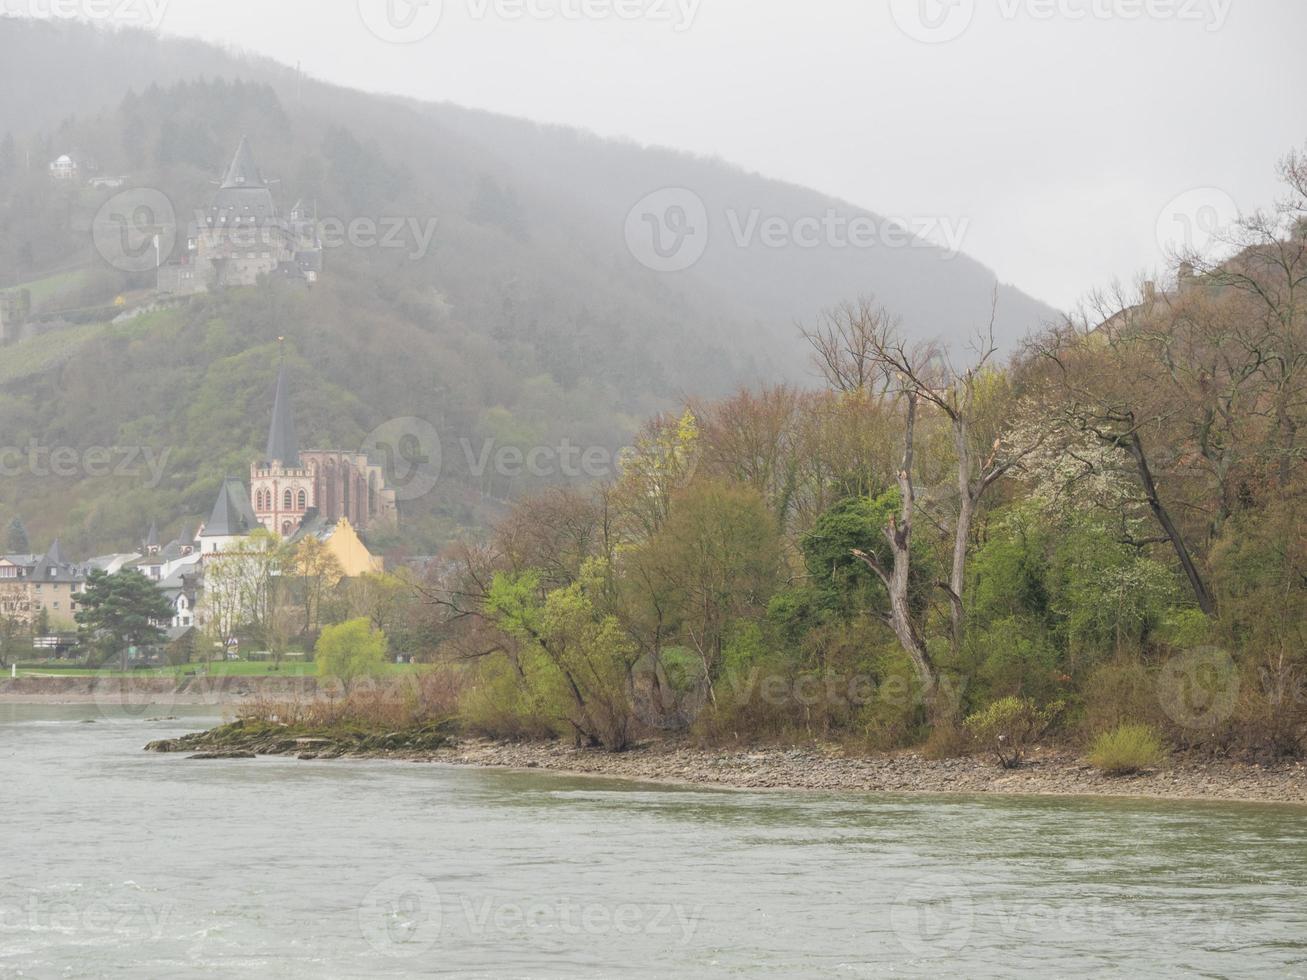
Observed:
{"x":282,"y":489}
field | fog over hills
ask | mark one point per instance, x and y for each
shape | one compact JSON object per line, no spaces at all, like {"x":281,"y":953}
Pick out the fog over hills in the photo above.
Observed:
{"x":543,"y":284}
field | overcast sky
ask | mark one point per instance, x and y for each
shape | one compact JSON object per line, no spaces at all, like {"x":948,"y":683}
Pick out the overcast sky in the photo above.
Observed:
{"x":1065,"y":133}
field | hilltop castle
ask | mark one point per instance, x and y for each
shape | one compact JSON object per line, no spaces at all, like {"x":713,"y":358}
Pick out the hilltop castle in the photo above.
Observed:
{"x":241,"y":236}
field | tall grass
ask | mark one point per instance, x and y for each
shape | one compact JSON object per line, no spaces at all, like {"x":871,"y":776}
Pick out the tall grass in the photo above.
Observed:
{"x":394,"y":704}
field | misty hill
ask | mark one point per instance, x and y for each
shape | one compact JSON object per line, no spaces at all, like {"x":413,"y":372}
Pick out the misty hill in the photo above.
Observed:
{"x":525,"y":319}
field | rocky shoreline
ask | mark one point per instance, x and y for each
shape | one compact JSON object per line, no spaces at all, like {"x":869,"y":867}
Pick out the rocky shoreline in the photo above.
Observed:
{"x":816,"y":768}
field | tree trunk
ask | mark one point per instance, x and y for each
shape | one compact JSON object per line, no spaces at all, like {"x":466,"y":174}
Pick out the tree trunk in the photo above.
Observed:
{"x":961,"y":533}
{"x":1205,"y":600}
{"x":899,"y":535}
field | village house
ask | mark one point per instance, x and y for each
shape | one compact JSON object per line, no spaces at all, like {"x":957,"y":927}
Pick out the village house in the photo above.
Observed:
{"x":32,"y":584}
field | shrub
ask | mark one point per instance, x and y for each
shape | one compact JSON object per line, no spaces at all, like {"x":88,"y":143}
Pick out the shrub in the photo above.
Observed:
{"x":1009,"y":726}
{"x":948,"y":740}
{"x":1120,"y":691}
{"x":1127,"y":749}
{"x":498,"y":702}
{"x":351,"y":651}
{"x":1014,"y":656}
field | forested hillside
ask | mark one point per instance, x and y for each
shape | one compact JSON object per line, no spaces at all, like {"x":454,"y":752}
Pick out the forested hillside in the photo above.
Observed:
{"x":523,"y":319}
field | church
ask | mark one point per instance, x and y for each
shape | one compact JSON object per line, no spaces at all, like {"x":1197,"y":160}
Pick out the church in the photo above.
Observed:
{"x":289,"y":485}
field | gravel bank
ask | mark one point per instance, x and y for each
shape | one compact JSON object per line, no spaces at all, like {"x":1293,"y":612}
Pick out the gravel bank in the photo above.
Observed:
{"x":1051,"y":773}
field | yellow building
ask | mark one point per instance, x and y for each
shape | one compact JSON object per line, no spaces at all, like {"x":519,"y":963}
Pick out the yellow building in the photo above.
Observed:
{"x":343,"y":541}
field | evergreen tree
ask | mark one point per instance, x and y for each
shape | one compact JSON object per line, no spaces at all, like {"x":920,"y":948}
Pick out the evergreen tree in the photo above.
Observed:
{"x":16,"y":541}
{"x":122,"y":610}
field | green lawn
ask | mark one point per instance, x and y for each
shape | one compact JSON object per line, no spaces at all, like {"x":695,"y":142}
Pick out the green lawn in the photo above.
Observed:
{"x":43,"y":289}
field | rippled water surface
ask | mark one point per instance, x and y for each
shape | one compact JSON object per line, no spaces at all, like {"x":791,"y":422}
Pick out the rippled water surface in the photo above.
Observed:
{"x":118,"y":862}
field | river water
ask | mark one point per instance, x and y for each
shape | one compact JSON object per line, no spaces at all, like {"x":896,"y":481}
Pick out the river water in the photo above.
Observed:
{"x":118,"y":862}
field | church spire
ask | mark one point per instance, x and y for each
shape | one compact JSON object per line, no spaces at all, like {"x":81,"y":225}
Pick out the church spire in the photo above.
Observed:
{"x":283,"y":445}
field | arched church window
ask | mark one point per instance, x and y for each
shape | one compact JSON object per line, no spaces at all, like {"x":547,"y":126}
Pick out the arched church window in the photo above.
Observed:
{"x":286,"y":501}
{"x":304,"y":500}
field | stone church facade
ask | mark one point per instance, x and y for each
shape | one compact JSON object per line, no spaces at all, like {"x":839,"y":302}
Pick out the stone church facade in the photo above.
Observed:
{"x":289,"y":485}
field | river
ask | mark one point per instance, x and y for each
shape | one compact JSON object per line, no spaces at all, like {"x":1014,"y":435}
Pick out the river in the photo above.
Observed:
{"x":125,"y":863}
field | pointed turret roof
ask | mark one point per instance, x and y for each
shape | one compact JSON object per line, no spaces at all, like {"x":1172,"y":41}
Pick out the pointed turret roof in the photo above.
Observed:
{"x":244,"y":196}
{"x":283,"y":443}
{"x":243,"y":172}
{"x":152,"y":538}
{"x":232,"y":514}
{"x":55,"y":555}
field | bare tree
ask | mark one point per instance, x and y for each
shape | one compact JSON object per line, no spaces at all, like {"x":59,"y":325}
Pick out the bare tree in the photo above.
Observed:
{"x":856,"y":347}
{"x":859,"y":346}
